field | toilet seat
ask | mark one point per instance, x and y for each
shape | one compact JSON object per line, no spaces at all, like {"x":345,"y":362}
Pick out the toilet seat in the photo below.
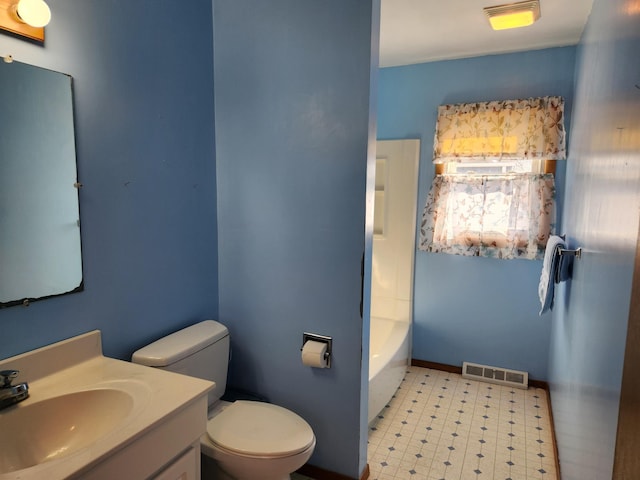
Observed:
{"x":259,"y":429}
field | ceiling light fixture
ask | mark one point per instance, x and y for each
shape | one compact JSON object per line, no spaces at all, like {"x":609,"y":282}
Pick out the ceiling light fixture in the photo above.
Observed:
{"x":514,"y":15}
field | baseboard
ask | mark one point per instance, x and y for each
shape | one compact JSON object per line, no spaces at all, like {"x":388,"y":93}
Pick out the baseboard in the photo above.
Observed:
{"x":453,"y":369}
{"x":436,"y":366}
{"x":553,"y":431}
{"x":318,"y":473}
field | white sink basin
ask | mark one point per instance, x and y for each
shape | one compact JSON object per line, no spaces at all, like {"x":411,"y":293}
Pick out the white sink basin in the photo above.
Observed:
{"x":34,"y":433}
{"x":93,"y":417}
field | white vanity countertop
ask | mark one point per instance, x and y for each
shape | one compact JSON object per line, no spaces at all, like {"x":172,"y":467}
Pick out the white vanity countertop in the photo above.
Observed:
{"x":76,"y":365}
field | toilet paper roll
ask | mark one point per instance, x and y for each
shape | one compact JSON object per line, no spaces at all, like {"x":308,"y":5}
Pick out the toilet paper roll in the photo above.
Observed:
{"x":313,"y":354}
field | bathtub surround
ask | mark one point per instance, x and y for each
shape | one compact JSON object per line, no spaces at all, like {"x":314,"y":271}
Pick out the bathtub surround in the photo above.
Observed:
{"x":480,"y":310}
{"x":394,"y":229}
{"x":392,"y":268}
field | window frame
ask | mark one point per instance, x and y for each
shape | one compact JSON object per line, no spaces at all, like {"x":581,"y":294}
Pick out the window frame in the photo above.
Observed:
{"x":549,"y":167}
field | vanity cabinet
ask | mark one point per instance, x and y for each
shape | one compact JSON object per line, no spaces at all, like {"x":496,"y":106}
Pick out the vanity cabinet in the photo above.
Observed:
{"x":184,"y":468}
{"x":169,"y":451}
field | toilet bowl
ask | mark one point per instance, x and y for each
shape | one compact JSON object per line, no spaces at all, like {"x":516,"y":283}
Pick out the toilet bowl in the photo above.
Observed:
{"x":245,"y":440}
{"x":255,"y":440}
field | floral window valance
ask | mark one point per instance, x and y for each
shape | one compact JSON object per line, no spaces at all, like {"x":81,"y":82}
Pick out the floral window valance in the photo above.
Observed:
{"x":499,"y":216}
{"x":513,"y":129}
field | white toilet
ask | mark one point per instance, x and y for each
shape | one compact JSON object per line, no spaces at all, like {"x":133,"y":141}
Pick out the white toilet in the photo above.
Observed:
{"x":247,"y":440}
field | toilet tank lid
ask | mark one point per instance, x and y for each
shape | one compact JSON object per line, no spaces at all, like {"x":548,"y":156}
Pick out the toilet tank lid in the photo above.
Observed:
{"x":181,"y":344}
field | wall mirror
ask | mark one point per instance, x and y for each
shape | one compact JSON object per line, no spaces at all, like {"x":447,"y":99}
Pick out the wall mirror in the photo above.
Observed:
{"x":40,"y":253}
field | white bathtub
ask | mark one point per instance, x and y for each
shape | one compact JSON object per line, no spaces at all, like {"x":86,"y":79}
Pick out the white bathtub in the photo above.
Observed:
{"x":389,"y":348}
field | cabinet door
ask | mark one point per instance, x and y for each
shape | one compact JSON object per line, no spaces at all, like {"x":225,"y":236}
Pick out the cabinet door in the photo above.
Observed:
{"x":182,"y":468}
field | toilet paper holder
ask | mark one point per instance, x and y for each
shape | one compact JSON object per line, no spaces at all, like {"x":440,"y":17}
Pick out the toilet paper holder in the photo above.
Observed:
{"x":319,"y":338}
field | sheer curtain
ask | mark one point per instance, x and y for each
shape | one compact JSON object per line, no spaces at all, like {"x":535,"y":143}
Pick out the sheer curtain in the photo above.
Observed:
{"x":483,"y":213}
{"x":501,"y":216}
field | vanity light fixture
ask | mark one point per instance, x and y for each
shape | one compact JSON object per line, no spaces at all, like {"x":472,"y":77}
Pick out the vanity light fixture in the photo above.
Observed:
{"x":34,"y":12}
{"x":514,"y":15}
{"x":25,"y":17}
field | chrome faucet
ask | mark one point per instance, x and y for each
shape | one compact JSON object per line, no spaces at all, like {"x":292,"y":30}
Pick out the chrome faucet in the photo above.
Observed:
{"x":10,"y":394}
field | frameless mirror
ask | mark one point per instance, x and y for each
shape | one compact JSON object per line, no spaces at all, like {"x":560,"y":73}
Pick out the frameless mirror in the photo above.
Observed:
{"x":40,"y":252}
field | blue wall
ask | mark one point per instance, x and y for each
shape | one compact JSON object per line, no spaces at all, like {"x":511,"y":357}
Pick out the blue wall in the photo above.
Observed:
{"x":601,"y":216}
{"x":466,"y":308}
{"x":143,"y":86}
{"x":292,"y":132}
{"x":293,"y":113}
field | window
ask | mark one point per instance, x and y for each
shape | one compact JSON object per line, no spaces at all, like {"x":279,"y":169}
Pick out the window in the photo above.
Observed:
{"x":492,"y":197}
{"x":494,"y":168}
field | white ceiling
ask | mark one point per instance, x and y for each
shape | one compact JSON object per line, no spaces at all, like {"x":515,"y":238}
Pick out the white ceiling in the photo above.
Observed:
{"x":418,"y":31}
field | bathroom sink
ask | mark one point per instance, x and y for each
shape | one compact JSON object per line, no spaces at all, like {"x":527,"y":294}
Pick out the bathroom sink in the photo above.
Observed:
{"x":91,"y":416}
{"x":34,"y":433}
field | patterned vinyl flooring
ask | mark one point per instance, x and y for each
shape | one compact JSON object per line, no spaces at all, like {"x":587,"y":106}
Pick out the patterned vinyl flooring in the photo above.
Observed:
{"x":441,"y":426}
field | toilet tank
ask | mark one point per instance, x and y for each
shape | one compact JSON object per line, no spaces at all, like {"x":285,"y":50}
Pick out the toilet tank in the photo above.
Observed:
{"x":201,"y":350}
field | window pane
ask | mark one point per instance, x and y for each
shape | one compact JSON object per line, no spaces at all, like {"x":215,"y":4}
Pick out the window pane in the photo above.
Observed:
{"x":495,"y":168}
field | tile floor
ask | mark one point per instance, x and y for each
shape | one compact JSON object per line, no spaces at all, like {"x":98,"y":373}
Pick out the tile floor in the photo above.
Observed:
{"x":442,"y":426}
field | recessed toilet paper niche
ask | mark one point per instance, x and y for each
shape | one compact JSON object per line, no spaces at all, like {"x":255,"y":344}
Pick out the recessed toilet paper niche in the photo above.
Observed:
{"x":316,"y":350}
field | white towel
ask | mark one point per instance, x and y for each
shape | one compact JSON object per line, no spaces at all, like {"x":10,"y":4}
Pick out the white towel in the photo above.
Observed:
{"x":550,"y":266}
